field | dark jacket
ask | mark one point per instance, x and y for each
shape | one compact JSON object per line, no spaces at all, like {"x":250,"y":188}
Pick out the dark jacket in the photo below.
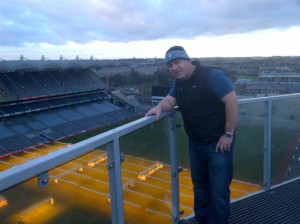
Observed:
{"x":202,"y":111}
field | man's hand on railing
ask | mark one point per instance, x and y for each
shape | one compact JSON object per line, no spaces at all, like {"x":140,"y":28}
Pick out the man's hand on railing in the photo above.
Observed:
{"x":154,"y":111}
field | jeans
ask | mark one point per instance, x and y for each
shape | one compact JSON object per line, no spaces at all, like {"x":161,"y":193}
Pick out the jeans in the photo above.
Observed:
{"x":211,"y":174}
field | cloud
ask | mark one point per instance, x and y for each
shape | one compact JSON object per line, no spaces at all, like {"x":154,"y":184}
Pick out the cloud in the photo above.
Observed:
{"x":59,"y":22}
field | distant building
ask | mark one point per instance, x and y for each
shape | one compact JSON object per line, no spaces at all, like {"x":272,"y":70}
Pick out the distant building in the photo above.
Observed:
{"x":274,"y":76}
{"x":276,"y":81}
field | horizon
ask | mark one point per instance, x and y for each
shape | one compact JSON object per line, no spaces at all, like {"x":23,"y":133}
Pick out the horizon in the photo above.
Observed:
{"x":139,"y":58}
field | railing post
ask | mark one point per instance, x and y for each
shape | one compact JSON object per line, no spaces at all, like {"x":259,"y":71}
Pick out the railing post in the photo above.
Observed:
{"x":115,"y":181}
{"x":268,"y":145}
{"x":174,"y":168}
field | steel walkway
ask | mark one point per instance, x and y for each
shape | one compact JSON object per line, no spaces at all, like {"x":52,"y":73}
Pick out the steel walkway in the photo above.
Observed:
{"x":279,"y":205}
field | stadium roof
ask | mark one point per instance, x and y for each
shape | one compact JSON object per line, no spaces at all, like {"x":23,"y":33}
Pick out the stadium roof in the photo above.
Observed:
{"x":63,"y":64}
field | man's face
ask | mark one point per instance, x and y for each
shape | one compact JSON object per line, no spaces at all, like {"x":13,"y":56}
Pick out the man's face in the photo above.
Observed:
{"x":180,"y":69}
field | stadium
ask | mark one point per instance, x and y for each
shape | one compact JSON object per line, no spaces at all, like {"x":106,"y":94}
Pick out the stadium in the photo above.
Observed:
{"x":60,"y":109}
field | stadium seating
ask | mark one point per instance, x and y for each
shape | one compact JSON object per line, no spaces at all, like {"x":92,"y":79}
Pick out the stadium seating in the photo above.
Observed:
{"x":37,"y":107}
{"x":30,"y":84}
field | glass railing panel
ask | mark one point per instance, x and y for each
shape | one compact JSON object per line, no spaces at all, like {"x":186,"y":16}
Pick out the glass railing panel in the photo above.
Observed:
{"x":248,"y":155}
{"x":77,"y":191}
{"x":285,"y":140}
{"x":185,"y":183}
{"x":146,"y":175}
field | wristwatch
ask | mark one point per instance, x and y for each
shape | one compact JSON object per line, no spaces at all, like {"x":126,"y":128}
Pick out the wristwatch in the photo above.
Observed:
{"x":228,"y":134}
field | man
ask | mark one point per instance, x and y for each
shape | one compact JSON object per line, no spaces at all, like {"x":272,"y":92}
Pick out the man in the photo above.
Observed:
{"x":209,"y":107}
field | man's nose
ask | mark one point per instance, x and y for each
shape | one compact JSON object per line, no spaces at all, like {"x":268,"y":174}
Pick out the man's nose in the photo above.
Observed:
{"x":173,"y":66}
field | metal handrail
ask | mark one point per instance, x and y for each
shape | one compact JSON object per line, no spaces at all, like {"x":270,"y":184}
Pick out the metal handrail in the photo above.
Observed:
{"x":32,"y":168}
{"x":267,"y":98}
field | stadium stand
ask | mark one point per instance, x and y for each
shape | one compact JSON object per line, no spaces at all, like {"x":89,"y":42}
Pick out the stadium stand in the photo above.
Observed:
{"x":41,"y":106}
{"x":5,"y":93}
{"x":29,"y":84}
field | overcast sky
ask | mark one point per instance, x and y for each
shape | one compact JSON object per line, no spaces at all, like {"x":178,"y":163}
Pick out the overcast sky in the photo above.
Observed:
{"x":108,"y":29}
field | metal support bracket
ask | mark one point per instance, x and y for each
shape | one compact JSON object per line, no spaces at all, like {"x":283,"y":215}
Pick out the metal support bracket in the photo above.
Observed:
{"x":43,"y":179}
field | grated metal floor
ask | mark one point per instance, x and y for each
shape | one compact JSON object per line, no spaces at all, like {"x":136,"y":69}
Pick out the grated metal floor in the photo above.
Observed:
{"x":279,"y":205}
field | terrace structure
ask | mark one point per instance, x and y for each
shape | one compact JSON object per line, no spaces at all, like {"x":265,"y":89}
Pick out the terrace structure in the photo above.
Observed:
{"x":46,"y":177}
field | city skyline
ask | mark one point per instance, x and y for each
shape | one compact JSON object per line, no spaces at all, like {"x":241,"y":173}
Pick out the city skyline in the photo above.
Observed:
{"x":127,"y":29}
